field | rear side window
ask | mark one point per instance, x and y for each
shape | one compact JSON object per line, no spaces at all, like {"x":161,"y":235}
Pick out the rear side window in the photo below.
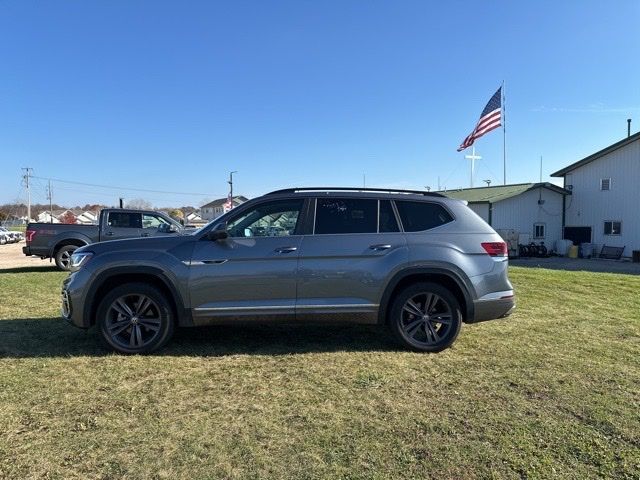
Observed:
{"x":346,"y":215}
{"x":419,"y":216}
{"x":125,"y":220}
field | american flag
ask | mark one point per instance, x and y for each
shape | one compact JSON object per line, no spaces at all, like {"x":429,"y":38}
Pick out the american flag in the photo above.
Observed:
{"x":228,"y":204}
{"x":489,"y":120}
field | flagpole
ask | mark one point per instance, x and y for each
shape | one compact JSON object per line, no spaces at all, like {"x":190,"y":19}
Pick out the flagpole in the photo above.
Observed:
{"x":504,"y":138}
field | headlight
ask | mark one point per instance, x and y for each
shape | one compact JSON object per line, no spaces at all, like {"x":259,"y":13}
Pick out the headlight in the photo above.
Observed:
{"x":80,"y":259}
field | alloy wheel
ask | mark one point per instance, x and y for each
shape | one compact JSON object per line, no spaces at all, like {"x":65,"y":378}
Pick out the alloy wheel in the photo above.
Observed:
{"x":426,"y":319}
{"x":133,"y":321}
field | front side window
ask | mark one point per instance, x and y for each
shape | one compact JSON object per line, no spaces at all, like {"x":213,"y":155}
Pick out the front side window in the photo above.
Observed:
{"x":152,"y":221}
{"x":420,"y":216}
{"x":612,"y":227}
{"x":538,"y":230}
{"x":272,"y":219}
{"x":125,"y":220}
{"x":346,"y":215}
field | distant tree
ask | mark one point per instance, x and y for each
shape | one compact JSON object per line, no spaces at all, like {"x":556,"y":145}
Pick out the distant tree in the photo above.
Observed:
{"x":68,"y":217}
{"x":139,"y":204}
{"x":176,"y":214}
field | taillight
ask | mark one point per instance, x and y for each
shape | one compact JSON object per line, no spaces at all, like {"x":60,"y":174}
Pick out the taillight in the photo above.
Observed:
{"x":29,"y":234}
{"x":495,"y":249}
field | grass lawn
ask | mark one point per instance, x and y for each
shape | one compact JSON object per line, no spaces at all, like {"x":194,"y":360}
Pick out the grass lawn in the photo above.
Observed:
{"x":553,"y":391}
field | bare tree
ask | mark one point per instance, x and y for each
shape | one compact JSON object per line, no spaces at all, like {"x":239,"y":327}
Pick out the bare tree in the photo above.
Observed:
{"x":139,"y":204}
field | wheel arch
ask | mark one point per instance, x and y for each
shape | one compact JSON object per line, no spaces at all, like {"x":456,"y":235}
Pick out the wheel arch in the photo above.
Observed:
{"x":78,"y":242}
{"x":149,"y":275}
{"x":454,"y":281}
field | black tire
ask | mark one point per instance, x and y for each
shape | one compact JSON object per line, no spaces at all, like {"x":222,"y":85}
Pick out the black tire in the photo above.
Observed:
{"x":130,"y":328}
{"x":63,"y":257}
{"x":425,"y":333}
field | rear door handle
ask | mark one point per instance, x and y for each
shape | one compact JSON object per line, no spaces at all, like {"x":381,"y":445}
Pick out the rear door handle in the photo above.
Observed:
{"x":109,"y":234}
{"x":380,"y":246}
{"x":286,"y":249}
{"x":145,"y":234}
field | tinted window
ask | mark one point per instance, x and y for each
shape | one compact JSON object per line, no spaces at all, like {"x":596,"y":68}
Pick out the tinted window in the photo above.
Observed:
{"x":272,"y":219}
{"x":388,"y":222}
{"x":125,"y":220}
{"x":346,"y":215}
{"x":419,"y":216}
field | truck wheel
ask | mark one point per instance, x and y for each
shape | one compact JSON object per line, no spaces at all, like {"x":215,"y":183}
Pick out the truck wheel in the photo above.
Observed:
{"x":63,"y":257}
{"x":425,"y":317}
{"x":135,"y":318}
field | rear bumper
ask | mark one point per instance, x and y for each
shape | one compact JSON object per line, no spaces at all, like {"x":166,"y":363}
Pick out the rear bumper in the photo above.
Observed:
{"x":493,"y":306}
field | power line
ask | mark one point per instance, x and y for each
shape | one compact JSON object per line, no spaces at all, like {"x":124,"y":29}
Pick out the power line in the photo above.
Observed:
{"x":123,"y":188}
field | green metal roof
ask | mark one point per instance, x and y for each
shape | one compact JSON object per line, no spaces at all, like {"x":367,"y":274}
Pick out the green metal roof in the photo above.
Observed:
{"x":500,"y":192}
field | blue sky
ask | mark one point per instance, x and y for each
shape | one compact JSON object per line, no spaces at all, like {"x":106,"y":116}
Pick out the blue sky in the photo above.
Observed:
{"x":170,"y":96}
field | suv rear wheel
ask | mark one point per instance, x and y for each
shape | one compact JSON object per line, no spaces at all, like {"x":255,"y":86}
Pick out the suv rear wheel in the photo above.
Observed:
{"x":135,"y":318}
{"x":425,"y":317}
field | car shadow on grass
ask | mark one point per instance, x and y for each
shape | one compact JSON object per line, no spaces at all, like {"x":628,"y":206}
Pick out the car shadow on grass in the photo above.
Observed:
{"x":52,"y":337}
{"x":33,"y":269}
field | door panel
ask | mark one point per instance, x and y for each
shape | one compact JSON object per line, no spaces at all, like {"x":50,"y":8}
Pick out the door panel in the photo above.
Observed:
{"x":341,"y":277}
{"x":252,"y":274}
{"x":345,"y":265}
{"x":244,"y":278}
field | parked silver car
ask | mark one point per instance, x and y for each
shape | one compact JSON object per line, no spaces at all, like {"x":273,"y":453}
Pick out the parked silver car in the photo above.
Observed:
{"x":417,"y":262}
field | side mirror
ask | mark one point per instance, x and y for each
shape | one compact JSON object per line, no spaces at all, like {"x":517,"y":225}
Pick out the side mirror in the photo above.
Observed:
{"x":218,"y":233}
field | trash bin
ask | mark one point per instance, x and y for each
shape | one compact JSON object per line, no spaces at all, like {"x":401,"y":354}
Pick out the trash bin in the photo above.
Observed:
{"x":636,"y":256}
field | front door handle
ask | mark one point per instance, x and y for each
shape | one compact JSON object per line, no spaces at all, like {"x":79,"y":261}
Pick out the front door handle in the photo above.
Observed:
{"x":145,"y":234}
{"x":286,"y":249}
{"x":380,"y":246}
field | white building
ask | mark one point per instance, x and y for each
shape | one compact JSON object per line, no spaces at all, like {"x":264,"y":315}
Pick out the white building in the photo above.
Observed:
{"x":214,"y":209}
{"x":605,"y":187}
{"x":533,"y":210}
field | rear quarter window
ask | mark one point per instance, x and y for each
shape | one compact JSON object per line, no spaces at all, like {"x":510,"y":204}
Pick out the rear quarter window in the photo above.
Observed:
{"x":420,"y":216}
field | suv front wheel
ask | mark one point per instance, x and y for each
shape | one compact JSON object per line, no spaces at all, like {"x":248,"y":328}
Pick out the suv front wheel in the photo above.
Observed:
{"x":135,"y":318}
{"x":425,"y":317}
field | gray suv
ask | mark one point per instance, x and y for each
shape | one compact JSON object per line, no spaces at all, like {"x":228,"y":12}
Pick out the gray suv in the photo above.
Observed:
{"x":418,"y":262}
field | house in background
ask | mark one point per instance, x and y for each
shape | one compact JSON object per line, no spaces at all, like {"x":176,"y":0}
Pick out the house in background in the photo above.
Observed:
{"x":533,"y":210}
{"x":605,"y":187}
{"x":193,"y":217}
{"x":213,"y":210}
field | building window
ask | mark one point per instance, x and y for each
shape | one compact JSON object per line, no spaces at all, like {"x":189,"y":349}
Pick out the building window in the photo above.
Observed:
{"x":612,"y":227}
{"x":538,"y":230}
{"x":605,"y":184}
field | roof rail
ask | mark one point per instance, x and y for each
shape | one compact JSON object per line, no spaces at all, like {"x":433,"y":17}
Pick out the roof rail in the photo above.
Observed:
{"x":355,"y":189}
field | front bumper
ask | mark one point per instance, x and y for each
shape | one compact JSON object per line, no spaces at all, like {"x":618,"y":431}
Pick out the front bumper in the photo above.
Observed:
{"x":26,"y":250}
{"x":72,"y":303}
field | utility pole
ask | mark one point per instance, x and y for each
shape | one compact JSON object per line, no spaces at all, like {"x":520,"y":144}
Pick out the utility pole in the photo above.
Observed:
{"x":27,"y":182}
{"x":230,"y":182}
{"x":50,"y":197}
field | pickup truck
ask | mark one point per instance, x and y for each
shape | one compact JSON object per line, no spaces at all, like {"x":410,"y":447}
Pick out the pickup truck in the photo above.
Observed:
{"x":58,"y":240}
